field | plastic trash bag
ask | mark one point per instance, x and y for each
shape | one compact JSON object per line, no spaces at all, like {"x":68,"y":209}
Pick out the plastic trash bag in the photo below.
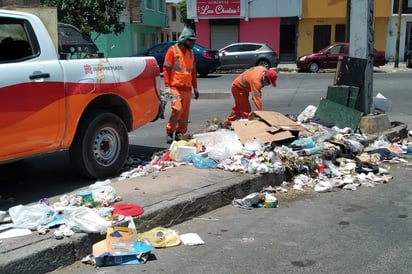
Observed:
{"x":248,"y":201}
{"x":382,"y":103}
{"x":160,"y":237}
{"x":200,"y":161}
{"x":303,"y":143}
{"x":31,"y":216}
{"x":307,"y":114}
{"x":85,"y":219}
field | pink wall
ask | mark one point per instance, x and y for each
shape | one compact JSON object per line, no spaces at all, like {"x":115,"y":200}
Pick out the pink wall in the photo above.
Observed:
{"x":261,"y":30}
{"x":203,"y":33}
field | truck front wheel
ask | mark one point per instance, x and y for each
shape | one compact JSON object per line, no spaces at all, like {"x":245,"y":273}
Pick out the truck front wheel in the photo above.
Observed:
{"x":100,"y":147}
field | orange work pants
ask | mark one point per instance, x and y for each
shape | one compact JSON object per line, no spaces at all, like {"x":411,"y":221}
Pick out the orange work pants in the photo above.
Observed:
{"x":179,"y":118}
{"x":241,"y":108}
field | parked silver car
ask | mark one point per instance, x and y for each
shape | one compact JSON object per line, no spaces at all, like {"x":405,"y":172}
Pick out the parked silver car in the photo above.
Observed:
{"x":246,"y":55}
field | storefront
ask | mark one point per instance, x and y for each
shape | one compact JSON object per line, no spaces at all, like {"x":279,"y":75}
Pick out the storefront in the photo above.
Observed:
{"x":222,"y":22}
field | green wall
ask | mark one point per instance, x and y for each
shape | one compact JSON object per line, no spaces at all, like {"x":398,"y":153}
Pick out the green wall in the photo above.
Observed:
{"x":124,"y":44}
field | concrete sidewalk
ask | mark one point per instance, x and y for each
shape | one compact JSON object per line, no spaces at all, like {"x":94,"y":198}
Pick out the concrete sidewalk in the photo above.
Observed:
{"x":168,"y":198}
{"x":387,"y":68}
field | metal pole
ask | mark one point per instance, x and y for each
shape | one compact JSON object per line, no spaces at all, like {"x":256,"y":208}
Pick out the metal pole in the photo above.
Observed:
{"x":347,"y":27}
{"x":361,"y":46}
{"x":398,"y":33}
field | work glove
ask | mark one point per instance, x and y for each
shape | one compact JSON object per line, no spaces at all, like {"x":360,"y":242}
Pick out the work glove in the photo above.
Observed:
{"x":168,"y":96}
{"x":166,"y":91}
{"x":196,"y":92}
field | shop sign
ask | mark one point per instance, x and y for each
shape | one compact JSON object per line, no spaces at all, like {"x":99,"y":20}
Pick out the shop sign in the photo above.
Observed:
{"x":218,"y":8}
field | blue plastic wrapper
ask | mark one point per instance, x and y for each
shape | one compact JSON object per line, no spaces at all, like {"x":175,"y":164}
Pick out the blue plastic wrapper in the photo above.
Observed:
{"x":200,"y":161}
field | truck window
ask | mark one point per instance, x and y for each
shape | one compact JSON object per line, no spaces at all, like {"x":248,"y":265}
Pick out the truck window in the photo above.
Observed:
{"x":76,"y":44}
{"x":15,"y":44}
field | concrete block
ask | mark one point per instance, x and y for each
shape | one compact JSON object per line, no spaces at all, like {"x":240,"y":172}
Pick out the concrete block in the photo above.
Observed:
{"x":374,"y":124}
{"x":395,"y":133}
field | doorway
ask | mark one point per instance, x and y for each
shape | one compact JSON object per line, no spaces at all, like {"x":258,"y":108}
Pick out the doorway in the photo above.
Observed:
{"x":321,"y":37}
{"x":408,"y":38}
{"x":287,"y":51}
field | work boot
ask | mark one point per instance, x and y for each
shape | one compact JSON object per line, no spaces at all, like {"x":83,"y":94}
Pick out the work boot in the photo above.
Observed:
{"x":169,"y":138}
{"x":178,"y":136}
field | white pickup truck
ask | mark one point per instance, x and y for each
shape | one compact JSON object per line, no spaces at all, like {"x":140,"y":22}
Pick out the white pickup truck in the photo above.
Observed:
{"x":86,"y":106}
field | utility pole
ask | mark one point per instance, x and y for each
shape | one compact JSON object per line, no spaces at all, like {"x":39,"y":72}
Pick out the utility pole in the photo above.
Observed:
{"x":361,"y":46}
{"x":398,"y":33}
{"x":347,"y":27}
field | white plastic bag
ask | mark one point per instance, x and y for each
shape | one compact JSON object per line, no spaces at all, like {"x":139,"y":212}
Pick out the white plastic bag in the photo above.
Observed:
{"x":307,"y":114}
{"x":31,"y":216}
{"x":85,"y":219}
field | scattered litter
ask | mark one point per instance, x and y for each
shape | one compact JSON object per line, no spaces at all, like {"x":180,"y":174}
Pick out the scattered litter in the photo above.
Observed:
{"x":15,"y":232}
{"x":205,"y":219}
{"x":270,"y":201}
{"x":191,"y":239}
{"x":160,"y":237}
{"x":121,"y":248}
{"x":248,"y":201}
{"x":58,"y":235}
{"x":127,"y":209}
{"x":31,"y":216}
{"x":84,"y":219}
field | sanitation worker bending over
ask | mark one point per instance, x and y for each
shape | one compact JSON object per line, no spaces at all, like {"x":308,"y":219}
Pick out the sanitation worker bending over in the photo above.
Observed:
{"x":179,"y":74}
{"x":251,"y":81}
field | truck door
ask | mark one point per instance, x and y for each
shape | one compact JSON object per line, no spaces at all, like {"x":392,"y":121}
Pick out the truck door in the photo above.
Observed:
{"x":31,"y":93}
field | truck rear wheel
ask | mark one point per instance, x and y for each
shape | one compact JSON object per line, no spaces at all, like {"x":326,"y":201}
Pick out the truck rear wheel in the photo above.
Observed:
{"x":100,"y":147}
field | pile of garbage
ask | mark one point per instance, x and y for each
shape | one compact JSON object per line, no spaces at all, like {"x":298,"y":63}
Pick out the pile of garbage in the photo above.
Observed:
{"x":90,"y":210}
{"x":315,"y":156}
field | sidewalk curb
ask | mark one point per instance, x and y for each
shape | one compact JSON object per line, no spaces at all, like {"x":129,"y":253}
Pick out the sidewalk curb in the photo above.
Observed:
{"x":50,"y":254}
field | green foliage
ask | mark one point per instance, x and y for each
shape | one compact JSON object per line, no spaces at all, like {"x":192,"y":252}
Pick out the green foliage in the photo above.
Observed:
{"x":183,"y":14}
{"x":100,"y":16}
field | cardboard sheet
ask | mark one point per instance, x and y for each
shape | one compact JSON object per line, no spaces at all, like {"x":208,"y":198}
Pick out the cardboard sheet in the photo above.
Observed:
{"x":267,"y":126}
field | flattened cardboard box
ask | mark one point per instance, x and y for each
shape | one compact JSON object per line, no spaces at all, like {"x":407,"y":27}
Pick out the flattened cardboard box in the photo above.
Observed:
{"x":266,"y":126}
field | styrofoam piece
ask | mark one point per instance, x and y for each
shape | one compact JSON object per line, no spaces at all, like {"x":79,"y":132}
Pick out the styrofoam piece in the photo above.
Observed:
{"x":183,"y":151}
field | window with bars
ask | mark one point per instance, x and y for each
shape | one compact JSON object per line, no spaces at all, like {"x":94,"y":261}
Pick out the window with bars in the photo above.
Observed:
{"x":153,"y":40}
{"x":406,"y":6}
{"x":174,"y":14}
{"x":161,"y":5}
{"x":149,"y":4}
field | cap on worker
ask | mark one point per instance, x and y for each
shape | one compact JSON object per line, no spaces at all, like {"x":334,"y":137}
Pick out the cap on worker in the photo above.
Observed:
{"x":272,"y":76}
{"x":187,"y":33}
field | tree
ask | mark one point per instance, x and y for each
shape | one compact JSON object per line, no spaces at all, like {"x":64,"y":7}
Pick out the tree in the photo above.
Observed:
{"x":183,"y":14}
{"x":100,"y":16}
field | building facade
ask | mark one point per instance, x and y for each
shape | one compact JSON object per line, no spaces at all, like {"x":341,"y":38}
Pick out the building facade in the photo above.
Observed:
{"x":324,"y":22}
{"x":174,"y":24}
{"x":405,"y":38}
{"x":292,"y":28}
{"x":222,"y":22}
{"x":145,"y":20}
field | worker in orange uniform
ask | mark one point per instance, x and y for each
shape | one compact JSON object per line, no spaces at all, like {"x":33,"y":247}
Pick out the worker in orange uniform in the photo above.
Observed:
{"x":179,"y":74}
{"x":251,"y":81}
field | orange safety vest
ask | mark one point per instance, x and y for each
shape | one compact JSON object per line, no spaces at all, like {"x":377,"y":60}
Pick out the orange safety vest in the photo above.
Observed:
{"x":181,"y":64}
{"x":251,"y":81}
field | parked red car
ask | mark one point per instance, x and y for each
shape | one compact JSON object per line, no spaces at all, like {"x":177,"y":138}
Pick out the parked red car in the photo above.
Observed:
{"x":327,"y":58}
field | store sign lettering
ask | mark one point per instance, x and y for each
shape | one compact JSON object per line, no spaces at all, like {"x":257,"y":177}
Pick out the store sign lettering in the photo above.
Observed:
{"x":216,"y":8}
{"x":219,"y":9}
